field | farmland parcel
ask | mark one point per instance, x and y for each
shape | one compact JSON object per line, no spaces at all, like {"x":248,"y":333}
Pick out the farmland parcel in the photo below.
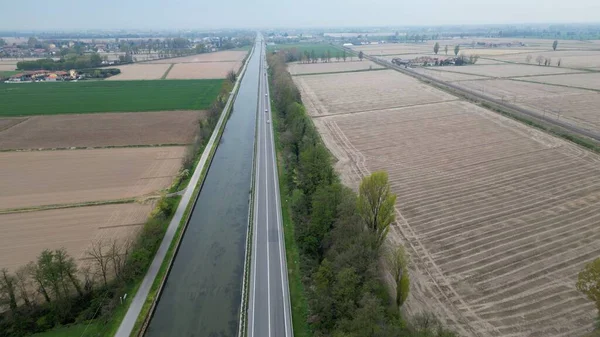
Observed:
{"x":203,"y":70}
{"x":100,"y":130}
{"x":106,"y":96}
{"x":331,"y":67}
{"x":498,"y":217}
{"x":25,"y":235}
{"x":39,"y":178}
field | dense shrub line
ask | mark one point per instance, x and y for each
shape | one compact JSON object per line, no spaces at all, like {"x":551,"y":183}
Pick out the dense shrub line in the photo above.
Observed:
{"x":52,"y":291}
{"x":339,"y":254}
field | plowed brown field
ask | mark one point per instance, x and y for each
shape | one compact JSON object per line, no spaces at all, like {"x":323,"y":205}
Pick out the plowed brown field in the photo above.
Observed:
{"x":29,"y":179}
{"x":202,"y":70}
{"x":99,"y":130}
{"x":25,"y":235}
{"x":362,"y":91}
{"x":498,"y":217}
{"x":585,"y":80}
{"x":506,"y":70}
{"x":579,"y":107}
{"x":140,"y":71}
{"x":221,"y":56}
{"x":331,"y":67}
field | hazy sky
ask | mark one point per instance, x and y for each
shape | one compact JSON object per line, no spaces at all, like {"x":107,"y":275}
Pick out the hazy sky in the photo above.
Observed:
{"x":192,"y":14}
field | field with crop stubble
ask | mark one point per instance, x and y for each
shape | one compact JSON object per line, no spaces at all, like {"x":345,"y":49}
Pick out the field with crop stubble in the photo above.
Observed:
{"x":498,"y":217}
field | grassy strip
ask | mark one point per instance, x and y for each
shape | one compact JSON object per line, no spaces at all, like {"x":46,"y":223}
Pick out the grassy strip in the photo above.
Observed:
{"x":341,"y":72}
{"x":61,"y":206}
{"x":91,"y":147}
{"x":298,"y":296}
{"x":78,"y":330}
{"x":164,"y":76}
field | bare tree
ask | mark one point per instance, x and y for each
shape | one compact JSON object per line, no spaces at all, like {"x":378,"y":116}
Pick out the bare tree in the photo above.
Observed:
{"x":8,"y":294}
{"x":456,"y":50}
{"x":88,"y":278}
{"x":68,"y":270}
{"x":98,"y":254}
{"x":446,"y":49}
{"x":539,"y":60}
{"x":559,"y":61}
{"x":554,"y":45}
{"x":24,"y":285}
{"x":528,"y":58}
{"x":117,"y":254}
{"x":36,"y":275}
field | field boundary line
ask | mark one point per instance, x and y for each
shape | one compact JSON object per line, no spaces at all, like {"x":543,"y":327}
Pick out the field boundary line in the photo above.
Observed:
{"x":63,"y":206}
{"x":24,"y":119}
{"x":74,"y":148}
{"x":126,"y":328}
{"x":164,"y":76}
{"x":338,"y":72}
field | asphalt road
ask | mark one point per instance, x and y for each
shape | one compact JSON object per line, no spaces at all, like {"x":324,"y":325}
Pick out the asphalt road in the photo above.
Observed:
{"x":269,"y":313}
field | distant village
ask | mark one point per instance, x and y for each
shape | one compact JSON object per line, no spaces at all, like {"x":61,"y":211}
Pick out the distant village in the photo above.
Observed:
{"x":45,"y":76}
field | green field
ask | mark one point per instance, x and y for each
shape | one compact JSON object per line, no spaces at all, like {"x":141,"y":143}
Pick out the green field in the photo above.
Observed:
{"x":301,"y":47}
{"x":8,"y":73}
{"x":26,"y":99}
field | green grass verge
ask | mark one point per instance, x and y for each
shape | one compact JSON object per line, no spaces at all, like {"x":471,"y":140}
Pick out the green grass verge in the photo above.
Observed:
{"x":25,"y":99}
{"x":76,"y":330}
{"x":297,"y":294}
{"x":244,"y":48}
{"x":8,"y":73}
{"x":319,"y":49}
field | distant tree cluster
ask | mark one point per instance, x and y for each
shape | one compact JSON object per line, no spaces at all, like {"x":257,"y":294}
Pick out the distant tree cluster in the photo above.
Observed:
{"x":73,"y":62}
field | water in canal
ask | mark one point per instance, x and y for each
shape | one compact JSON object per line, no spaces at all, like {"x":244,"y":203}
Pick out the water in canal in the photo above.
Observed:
{"x":202,"y":294}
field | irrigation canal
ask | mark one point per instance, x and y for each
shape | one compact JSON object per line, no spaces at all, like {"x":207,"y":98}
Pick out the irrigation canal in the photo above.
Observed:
{"x":202,"y":294}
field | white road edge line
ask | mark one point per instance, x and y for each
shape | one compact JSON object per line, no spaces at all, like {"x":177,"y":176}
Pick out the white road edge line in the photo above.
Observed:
{"x":267,"y":226}
{"x":255,"y":232}
{"x":278,"y":210}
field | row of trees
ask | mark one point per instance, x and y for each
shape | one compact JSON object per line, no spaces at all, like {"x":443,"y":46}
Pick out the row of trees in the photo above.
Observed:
{"x":53,"y":291}
{"x":547,"y":61}
{"x":72,"y":62}
{"x":340,"y":234}
{"x":436,"y":49}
